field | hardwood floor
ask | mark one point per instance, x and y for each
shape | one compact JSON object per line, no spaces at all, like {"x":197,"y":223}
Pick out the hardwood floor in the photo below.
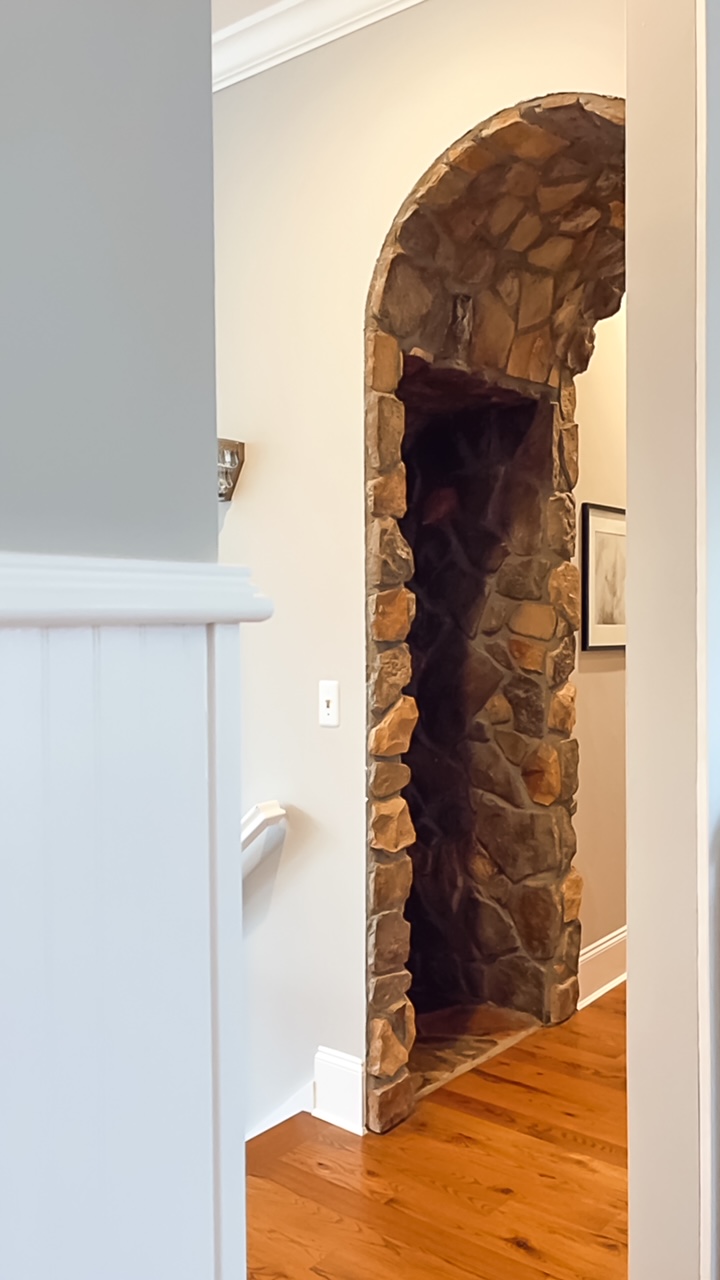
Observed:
{"x":516,"y":1171}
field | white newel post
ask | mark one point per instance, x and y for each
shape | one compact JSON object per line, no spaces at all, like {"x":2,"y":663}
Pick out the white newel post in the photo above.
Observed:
{"x":121,"y":1035}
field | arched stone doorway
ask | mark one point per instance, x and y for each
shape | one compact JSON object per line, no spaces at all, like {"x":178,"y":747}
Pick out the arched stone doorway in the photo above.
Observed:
{"x":481,"y":313}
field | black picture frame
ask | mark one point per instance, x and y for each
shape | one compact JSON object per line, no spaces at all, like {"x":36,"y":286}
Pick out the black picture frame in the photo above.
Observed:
{"x":594,"y":635}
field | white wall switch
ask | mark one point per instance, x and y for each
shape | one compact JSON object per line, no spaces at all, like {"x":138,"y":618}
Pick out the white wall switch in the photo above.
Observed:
{"x":329,"y":705}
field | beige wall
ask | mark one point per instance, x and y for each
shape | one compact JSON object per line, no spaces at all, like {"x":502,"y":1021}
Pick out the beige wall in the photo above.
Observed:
{"x":600,"y":676}
{"x":313,"y":160}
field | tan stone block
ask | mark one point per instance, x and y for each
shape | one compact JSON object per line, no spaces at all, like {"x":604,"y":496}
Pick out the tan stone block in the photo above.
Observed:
{"x":525,"y":233}
{"x":553,"y":254}
{"x":402,"y":1016}
{"x":571,"y":890}
{"x":390,"y":558}
{"x":391,"y":672}
{"x":536,"y":300}
{"x":386,"y":1055}
{"x":580,"y":220}
{"x":535,"y":620}
{"x":561,"y":662}
{"x":493,"y":615}
{"x":564,"y":591}
{"x":388,"y":494}
{"x":391,"y":737}
{"x":617,"y":215}
{"x":508,"y":286}
{"x":493,"y":333}
{"x":391,"y":614}
{"x":541,"y":774}
{"x":386,"y":778}
{"x":523,"y":579}
{"x":390,"y":1104}
{"x":471,"y":156}
{"x":407,"y":298}
{"x":502,"y":215}
{"x":563,"y":1001}
{"x":560,"y":524}
{"x":569,"y":755}
{"x":386,"y":991}
{"x":532,"y":356}
{"x":562,"y":714}
{"x":390,"y":883}
{"x":569,"y":454}
{"x":526,"y":141}
{"x":388,"y":943}
{"x":384,"y":364}
{"x":498,"y":709}
{"x":551,"y":199}
{"x":446,"y":185}
{"x":513,"y":746}
{"x":391,"y":826}
{"x":568,"y":401}
{"x":385,"y":431}
{"x":522,"y":180}
{"x":529,"y":655}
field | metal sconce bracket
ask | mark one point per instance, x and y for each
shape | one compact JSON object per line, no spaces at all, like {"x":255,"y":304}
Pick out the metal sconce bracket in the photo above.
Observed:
{"x":231,"y":458}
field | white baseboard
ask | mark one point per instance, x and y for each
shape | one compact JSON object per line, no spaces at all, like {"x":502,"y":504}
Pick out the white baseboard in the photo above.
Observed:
{"x":301,"y":1100}
{"x":340,"y":1090}
{"x":603,"y":965}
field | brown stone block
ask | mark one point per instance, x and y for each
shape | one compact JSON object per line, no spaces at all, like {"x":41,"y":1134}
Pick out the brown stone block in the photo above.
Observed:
{"x":562,"y":714}
{"x":523,"y":579}
{"x":492,"y":929}
{"x":528,"y":654}
{"x":407,"y":298}
{"x":513,"y":746}
{"x":387,"y":778}
{"x":552,"y":254}
{"x":388,"y":494}
{"x":571,"y":890}
{"x":536,"y":300}
{"x":386,"y":1055}
{"x":527,"y":699}
{"x":526,"y":141}
{"x":532,"y":356}
{"x":385,"y":992}
{"x":561,"y":662}
{"x":569,"y":756}
{"x":384,"y":362}
{"x":402,"y":1016}
{"x":390,"y":558}
{"x":522,"y":180}
{"x":389,"y":943}
{"x":537,"y":912}
{"x":520,"y":505}
{"x":391,"y":827}
{"x":498,"y":709}
{"x":391,"y":673}
{"x":446,"y":185}
{"x":542,"y":774}
{"x":493,"y":333}
{"x":568,"y":401}
{"x":580,"y":220}
{"x":551,"y":199}
{"x":503,"y":213}
{"x":560,"y":524}
{"x":390,"y":885}
{"x":521,"y":842}
{"x":493,"y":615}
{"x":391,"y":614}
{"x":389,"y":1104}
{"x":516,"y":982}
{"x":567,"y":957}
{"x":391,"y":737}
{"x":525,"y":233}
{"x":508,"y":286}
{"x":563,"y":1001}
{"x":386,"y":427}
{"x":535,"y":620}
{"x":471,"y":156}
{"x":490,"y":771}
{"x":617,"y":215}
{"x":564,"y":591}
{"x":569,"y":454}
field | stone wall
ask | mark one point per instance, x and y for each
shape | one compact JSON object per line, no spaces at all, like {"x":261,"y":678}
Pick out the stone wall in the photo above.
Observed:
{"x":497,"y":268}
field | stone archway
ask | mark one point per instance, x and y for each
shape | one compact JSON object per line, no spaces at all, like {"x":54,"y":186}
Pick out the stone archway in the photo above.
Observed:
{"x":482,"y":309}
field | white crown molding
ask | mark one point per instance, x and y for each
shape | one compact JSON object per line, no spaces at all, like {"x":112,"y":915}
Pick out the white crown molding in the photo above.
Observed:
{"x":289,"y":28}
{"x":57,"y":591}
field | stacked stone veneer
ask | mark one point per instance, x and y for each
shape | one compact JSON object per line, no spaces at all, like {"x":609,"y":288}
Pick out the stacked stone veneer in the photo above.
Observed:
{"x":498,"y":266}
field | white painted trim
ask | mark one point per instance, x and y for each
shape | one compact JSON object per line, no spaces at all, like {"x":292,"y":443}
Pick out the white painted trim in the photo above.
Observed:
{"x":301,"y":1100}
{"x":50,"y":591}
{"x":603,"y":965}
{"x":287,"y":29}
{"x":340,"y":1090}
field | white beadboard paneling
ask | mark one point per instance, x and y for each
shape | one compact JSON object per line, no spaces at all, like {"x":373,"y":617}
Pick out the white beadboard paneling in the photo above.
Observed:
{"x":289,"y":28}
{"x":78,"y":591}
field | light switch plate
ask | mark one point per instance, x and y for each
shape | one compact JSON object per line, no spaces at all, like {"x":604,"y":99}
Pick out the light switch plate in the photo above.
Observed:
{"x":329,"y":704}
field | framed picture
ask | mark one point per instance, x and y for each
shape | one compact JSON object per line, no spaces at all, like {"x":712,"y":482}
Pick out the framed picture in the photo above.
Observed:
{"x":603,"y":575}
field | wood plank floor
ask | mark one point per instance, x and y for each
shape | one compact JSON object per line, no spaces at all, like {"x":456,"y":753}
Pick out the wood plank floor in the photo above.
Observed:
{"x":516,"y":1171}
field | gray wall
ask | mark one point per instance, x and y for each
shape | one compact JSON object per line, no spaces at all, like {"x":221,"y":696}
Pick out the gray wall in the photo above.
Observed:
{"x":107,"y":401}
